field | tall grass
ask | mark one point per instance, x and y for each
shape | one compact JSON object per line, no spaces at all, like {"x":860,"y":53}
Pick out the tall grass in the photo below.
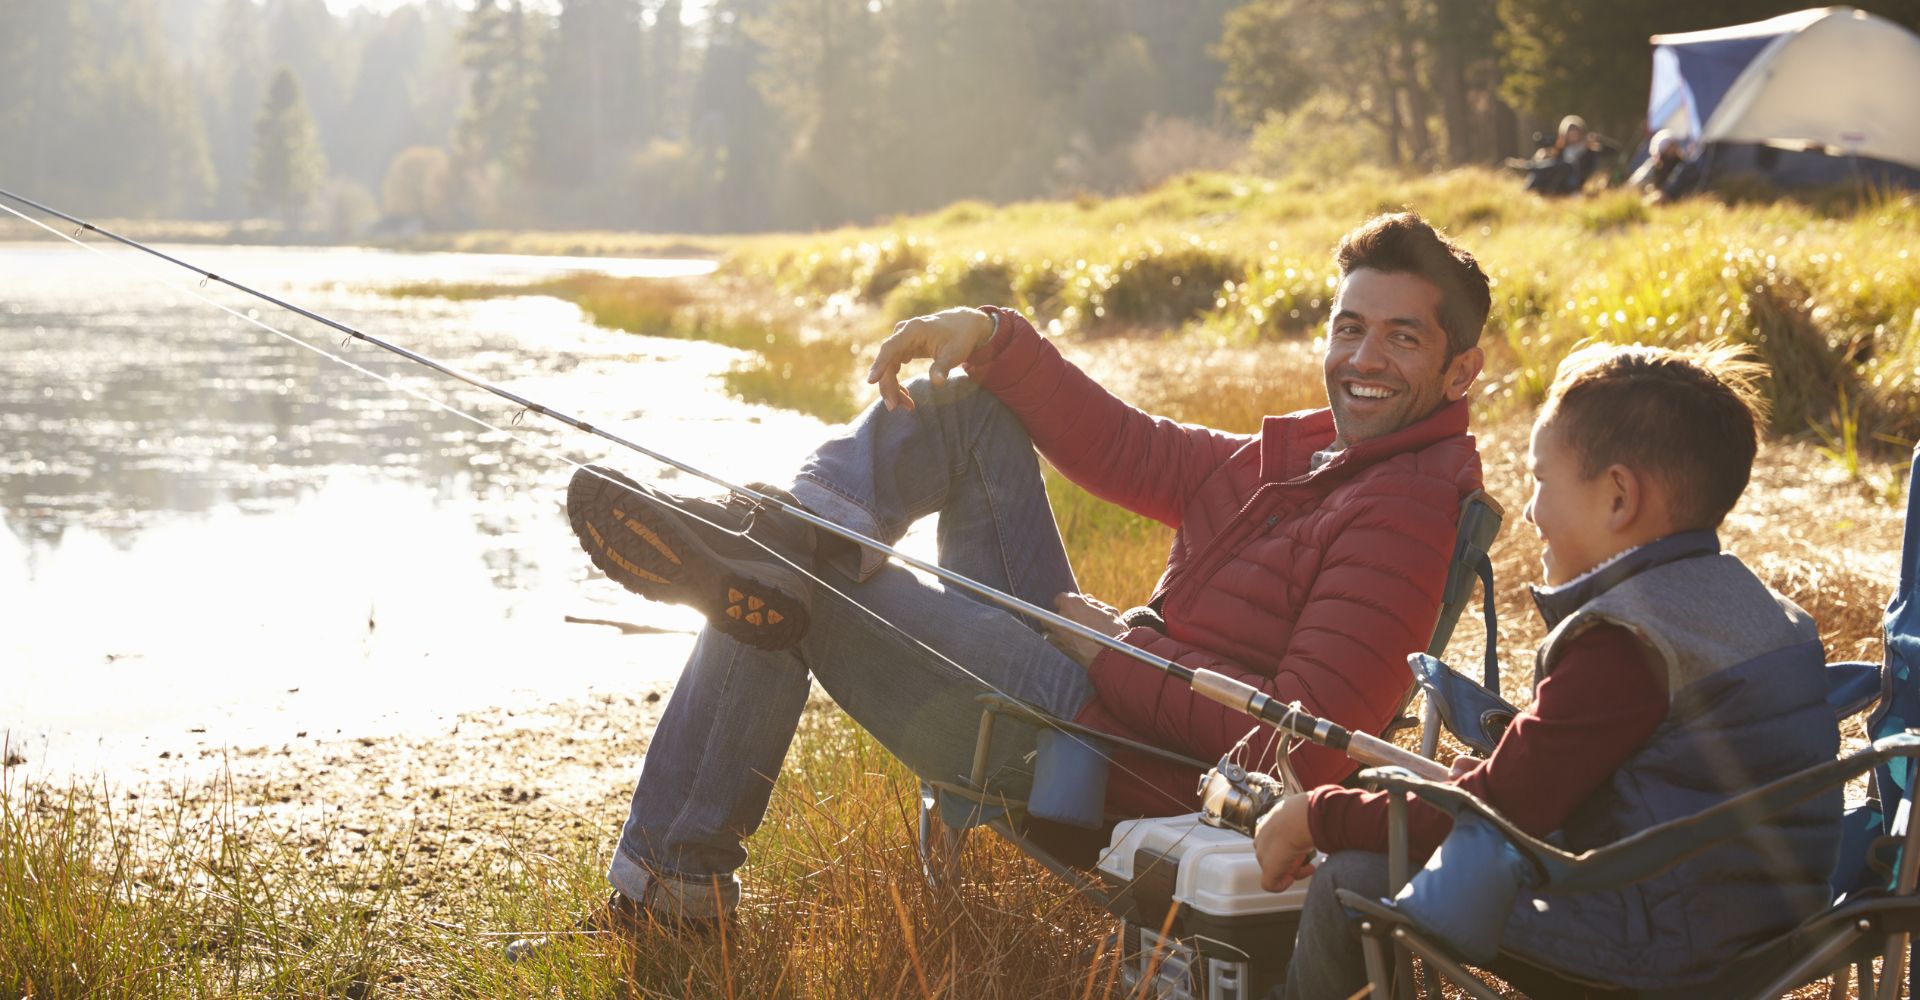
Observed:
{"x":203,"y":896}
{"x":1828,"y":292}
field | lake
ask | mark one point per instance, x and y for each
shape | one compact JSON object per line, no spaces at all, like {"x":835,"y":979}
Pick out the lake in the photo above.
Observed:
{"x":213,"y":536}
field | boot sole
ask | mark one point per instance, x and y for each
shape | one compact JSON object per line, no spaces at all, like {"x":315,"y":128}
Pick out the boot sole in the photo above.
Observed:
{"x":646,"y":545}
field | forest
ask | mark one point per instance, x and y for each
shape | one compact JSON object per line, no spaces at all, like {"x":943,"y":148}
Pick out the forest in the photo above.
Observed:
{"x":703,"y":116}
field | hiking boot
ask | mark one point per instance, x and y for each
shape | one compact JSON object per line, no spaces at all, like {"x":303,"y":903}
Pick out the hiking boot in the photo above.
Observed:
{"x":709,"y":553}
{"x":628,"y":923}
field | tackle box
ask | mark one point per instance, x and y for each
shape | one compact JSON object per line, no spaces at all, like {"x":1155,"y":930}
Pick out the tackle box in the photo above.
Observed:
{"x":1228,"y":939}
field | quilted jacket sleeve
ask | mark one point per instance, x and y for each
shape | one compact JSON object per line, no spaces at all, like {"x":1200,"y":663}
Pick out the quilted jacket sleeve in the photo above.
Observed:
{"x":1147,"y":464}
{"x":1374,"y":600}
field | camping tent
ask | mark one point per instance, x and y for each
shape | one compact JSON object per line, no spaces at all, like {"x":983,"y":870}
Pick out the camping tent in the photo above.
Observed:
{"x":1821,"y":96}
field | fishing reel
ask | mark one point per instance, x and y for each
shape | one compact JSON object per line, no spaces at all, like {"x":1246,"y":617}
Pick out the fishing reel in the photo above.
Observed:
{"x":1234,"y":798}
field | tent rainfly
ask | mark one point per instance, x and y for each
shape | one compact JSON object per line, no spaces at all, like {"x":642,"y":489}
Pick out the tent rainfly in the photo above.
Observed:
{"x":1823,"y":96}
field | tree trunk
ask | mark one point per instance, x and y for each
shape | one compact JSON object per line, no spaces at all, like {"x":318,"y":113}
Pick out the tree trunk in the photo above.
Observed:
{"x":1388,"y":95}
{"x":1450,"y":79}
{"x":1420,"y":136}
{"x":1506,"y":131}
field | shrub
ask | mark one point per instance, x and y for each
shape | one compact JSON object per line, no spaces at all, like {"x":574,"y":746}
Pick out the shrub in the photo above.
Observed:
{"x":1285,"y":297}
{"x":892,"y":262}
{"x":1163,"y":287}
{"x":979,"y":280}
{"x":1613,"y":210}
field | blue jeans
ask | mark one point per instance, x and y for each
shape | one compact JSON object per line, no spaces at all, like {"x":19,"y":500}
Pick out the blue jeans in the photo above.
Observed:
{"x":1327,"y":957}
{"x":709,"y":770}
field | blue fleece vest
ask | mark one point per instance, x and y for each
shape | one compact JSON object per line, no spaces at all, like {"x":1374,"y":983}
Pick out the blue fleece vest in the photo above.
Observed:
{"x":1747,"y":686}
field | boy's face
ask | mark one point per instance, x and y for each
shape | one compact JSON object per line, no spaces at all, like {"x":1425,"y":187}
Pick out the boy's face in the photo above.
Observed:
{"x":1570,"y":512}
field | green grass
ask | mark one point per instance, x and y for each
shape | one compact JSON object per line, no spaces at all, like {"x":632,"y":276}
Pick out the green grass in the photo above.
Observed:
{"x":1826,"y":291}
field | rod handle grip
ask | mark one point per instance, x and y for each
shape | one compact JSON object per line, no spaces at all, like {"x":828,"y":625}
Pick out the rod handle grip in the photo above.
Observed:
{"x":1218,"y":687}
{"x":1377,"y":752}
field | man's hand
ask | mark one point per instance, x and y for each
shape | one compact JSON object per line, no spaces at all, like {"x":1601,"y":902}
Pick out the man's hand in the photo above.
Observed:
{"x":1283,"y":845}
{"x":947,"y":337}
{"x":1462,"y":764}
{"x":1096,"y":615}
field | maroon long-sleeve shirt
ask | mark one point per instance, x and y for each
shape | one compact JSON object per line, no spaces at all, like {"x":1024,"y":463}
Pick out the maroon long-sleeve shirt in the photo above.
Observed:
{"x":1600,"y":704}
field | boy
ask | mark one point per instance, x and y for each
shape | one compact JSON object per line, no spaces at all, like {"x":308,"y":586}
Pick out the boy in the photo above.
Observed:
{"x":1672,"y":677}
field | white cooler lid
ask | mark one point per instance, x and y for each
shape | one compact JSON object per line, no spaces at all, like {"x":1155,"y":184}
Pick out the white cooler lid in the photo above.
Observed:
{"x":1218,"y":873}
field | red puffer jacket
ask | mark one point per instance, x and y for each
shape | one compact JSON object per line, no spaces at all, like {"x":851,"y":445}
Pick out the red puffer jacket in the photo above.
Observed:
{"x":1308,"y":584}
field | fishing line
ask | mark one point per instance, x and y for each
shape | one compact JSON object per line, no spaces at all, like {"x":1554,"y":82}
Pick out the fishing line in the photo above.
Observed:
{"x":554,"y":453}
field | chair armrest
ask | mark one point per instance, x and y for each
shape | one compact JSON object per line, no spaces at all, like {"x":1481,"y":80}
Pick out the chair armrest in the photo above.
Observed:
{"x":1542,"y":858}
{"x":1852,"y":687}
{"x":1000,"y":704}
{"x":1655,"y":849}
{"x":1474,"y":715}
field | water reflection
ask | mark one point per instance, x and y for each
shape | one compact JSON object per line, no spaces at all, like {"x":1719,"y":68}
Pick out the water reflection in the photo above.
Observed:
{"x":203,"y":526}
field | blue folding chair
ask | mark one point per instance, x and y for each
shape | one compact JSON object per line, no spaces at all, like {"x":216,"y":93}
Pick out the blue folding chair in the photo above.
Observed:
{"x":1451,"y":912}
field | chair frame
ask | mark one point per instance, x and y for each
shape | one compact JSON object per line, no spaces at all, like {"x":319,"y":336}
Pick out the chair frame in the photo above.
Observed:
{"x":1851,"y":933}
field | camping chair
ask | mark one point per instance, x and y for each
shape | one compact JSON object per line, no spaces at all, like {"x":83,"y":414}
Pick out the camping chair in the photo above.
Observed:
{"x":948,"y":809}
{"x":1451,"y":912}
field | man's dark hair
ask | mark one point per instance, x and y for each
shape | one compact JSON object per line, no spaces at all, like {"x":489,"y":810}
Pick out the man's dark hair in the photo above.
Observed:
{"x":1404,"y":243}
{"x":1685,"y":417}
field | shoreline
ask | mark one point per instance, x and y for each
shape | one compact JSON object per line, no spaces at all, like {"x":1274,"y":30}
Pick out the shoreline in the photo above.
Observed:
{"x":528,"y":242}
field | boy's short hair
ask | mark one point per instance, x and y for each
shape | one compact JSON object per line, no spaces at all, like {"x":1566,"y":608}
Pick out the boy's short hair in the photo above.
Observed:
{"x":1686,"y":417}
{"x":1405,"y":243}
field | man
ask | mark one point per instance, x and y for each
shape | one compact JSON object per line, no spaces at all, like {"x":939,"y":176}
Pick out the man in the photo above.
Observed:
{"x":1668,"y":172}
{"x":1308,"y":560}
{"x":1563,"y":168}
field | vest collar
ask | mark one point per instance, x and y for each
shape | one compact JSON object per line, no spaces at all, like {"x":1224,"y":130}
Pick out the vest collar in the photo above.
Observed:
{"x":1287,"y":443}
{"x":1556,"y":603}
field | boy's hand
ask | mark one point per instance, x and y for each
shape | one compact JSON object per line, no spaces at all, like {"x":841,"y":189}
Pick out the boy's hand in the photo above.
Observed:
{"x":948,"y":337}
{"x":1283,"y":844}
{"x":1094,"y":614}
{"x":1464,"y":763}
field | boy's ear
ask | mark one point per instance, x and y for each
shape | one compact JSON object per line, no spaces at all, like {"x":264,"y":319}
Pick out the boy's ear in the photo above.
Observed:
{"x":1626,"y":497}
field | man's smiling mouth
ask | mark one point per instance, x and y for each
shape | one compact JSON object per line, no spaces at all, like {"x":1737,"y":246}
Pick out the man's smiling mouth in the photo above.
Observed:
{"x":1370,"y":391}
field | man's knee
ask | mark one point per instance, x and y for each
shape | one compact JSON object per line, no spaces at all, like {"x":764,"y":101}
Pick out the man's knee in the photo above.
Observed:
{"x":973,"y":407}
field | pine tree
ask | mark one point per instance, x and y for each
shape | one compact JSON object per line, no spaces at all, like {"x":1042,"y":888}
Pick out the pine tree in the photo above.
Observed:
{"x":288,"y":165}
{"x":590,"y":111}
{"x":233,"y":83}
{"x":48,"y":90}
{"x":500,"y":48}
{"x":820,"y":69}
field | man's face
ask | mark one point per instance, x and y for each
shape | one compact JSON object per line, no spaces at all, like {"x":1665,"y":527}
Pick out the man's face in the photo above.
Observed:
{"x":1386,"y":363}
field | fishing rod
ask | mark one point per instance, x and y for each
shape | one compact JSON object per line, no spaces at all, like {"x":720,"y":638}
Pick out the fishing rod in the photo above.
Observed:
{"x":1210,"y":684}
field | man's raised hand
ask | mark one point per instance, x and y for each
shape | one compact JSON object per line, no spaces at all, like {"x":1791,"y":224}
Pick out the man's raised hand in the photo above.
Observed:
{"x":947,"y":337}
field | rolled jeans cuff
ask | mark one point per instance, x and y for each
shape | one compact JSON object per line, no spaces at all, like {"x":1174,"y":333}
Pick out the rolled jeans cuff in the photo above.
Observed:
{"x":859,"y":562}
{"x":672,"y":896}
